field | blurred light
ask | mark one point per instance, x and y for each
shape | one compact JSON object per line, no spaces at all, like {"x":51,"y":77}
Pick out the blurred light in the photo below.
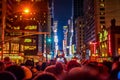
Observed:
{"x":26,"y":10}
{"x":109,"y":44}
{"x":118,"y":75}
{"x":49,"y":40}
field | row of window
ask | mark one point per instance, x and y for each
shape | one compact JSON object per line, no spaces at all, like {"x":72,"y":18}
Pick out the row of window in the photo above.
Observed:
{"x":102,"y":12}
{"x":102,"y":0}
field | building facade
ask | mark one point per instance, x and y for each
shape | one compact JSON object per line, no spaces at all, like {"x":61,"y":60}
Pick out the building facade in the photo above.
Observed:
{"x":80,"y":46}
{"x":26,"y":33}
{"x":97,"y":20}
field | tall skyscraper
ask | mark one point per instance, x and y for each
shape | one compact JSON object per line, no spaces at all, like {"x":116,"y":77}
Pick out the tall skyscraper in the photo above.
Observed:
{"x":80,"y":36}
{"x":89,"y":22}
{"x":77,"y":13}
{"x":105,"y":10}
{"x":77,"y":8}
{"x":97,"y":20}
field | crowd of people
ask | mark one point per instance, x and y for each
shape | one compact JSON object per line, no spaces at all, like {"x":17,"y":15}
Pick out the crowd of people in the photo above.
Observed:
{"x":56,"y":70}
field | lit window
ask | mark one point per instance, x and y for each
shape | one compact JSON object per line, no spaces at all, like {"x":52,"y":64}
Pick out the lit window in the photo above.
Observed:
{"x":37,"y":0}
{"x":102,"y":0}
{"x":101,"y":26}
{"x":32,"y":27}
{"x":18,"y":0}
{"x":44,"y":21}
{"x":16,"y":16}
{"x":102,"y":5}
{"x":102,"y":13}
{"x":28,"y":40}
{"x":119,"y":51}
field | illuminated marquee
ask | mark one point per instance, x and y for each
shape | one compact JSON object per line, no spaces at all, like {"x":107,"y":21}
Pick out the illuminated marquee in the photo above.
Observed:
{"x":30,"y":47}
{"x":104,"y":42}
{"x":103,"y":35}
{"x":28,"y":40}
{"x":31,"y":27}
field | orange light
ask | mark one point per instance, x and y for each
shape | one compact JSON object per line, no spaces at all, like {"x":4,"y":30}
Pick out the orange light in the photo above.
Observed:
{"x":26,"y":10}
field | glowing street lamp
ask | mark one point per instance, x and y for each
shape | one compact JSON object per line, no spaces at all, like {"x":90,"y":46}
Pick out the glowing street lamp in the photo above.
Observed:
{"x":26,"y":10}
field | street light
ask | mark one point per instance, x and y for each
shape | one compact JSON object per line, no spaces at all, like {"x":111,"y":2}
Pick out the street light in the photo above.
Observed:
{"x":26,"y":10}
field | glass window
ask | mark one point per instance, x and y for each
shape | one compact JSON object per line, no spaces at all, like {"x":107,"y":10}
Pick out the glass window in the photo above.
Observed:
{"x":101,"y":26}
{"x":102,"y":0}
{"x":102,"y":9}
{"x":102,"y":5}
{"x":14,"y":47}
{"x":6,"y":48}
{"x":102,"y":17}
{"x":102,"y":13}
{"x":102,"y":22}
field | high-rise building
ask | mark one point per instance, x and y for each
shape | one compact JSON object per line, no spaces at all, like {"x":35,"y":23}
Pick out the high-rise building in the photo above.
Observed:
{"x":6,"y":11}
{"x":77,"y":13}
{"x":89,"y":22}
{"x":27,"y":31}
{"x":65,"y":31}
{"x":97,"y":20}
{"x":80,"y":46}
{"x":56,"y":48}
{"x":105,"y":10}
{"x":77,"y":8}
{"x":51,"y":5}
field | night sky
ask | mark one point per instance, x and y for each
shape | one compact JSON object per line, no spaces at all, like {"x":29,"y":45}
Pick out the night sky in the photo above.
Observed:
{"x":62,"y":12}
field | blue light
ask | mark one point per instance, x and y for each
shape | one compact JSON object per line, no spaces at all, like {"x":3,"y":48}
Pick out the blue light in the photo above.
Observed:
{"x":118,"y":76}
{"x":49,"y":40}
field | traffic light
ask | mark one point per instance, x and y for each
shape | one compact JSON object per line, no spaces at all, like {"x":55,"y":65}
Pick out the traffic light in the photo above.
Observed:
{"x":48,"y":44}
{"x":48,"y":40}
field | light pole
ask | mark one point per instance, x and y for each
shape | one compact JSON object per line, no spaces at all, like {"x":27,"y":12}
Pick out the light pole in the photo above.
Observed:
{"x":3,"y":26}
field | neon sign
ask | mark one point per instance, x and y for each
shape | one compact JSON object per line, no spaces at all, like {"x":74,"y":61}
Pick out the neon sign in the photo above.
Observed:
{"x":28,"y":40}
{"x":109,"y":44}
{"x":103,"y":36}
{"x":31,"y":27}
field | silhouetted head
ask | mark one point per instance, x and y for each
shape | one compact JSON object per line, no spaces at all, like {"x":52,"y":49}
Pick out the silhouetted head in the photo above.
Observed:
{"x":2,"y":66}
{"x":45,"y":76}
{"x":59,"y":68}
{"x":51,"y":69}
{"x":79,"y":73}
{"x":29,"y":63}
{"x":17,"y":71}
{"x":71,"y":64}
{"x":5,"y":75}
